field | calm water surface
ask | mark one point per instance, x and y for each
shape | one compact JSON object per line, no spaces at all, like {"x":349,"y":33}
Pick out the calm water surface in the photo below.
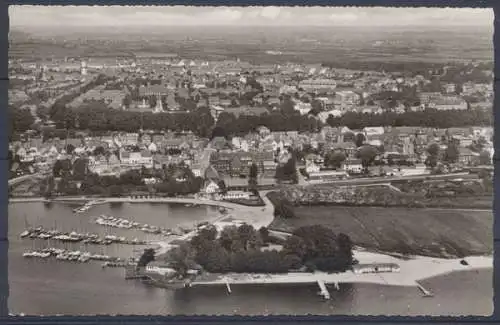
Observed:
{"x":50,"y":287}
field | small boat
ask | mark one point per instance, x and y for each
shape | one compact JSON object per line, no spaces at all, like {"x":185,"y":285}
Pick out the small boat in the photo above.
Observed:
{"x":25,"y":233}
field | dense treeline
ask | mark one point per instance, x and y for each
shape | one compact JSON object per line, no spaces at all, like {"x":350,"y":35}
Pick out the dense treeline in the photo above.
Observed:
{"x":95,"y":116}
{"x":428,"y":118}
{"x":75,"y":178}
{"x":275,"y":121}
{"x":239,"y":249}
{"x":20,"y":120}
{"x":453,"y":73}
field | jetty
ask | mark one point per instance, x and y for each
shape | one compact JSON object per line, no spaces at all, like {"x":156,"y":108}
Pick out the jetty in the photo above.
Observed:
{"x":324,"y":291}
{"x":425,"y":292}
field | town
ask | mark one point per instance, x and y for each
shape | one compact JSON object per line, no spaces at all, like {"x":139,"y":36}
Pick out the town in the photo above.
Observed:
{"x":156,"y":166}
{"x":107,"y":117}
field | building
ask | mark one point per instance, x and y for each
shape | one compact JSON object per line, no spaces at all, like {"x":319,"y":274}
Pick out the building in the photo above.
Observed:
{"x":236,"y":195}
{"x":345,"y":100}
{"x":427,"y":97}
{"x":135,"y":159}
{"x":449,"y":103}
{"x":318,"y":85}
{"x":353,"y":166}
{"x":153,"y":90}
{"x":212,"y":187}
{"x":375,"y":268}
{"x":467,"y":156}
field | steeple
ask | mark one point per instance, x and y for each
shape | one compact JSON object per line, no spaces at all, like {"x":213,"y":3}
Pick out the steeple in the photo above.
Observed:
{"x":159,"y":105}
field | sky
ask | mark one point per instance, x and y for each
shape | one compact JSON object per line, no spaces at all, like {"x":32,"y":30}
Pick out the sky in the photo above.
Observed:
{"x":123,"y":16}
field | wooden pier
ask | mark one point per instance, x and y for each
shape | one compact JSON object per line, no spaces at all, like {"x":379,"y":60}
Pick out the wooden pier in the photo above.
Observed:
{"x":324,"y":290}
{"x":425,"y":292}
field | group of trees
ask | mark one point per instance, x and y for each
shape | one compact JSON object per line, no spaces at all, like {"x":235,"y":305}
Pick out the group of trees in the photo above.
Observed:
{"x":451,"y":154}
{"x":252,"y":178}
{"x":20,"y":120}
{"x":75,"y":178}
{"x":287,"y":172}
{"x":429,"y":118}
{"x":275,"y":121}
{"x":239,"y":249}
{"x":95,"y":116}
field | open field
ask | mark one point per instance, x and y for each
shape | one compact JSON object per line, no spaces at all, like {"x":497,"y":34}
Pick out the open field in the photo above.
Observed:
{"x":429,"y":232}
{"x":339,"y":44}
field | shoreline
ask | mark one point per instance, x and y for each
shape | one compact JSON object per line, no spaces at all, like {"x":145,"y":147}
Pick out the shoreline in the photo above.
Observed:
{"x":412,"y":272}
{"x":225,"y":204}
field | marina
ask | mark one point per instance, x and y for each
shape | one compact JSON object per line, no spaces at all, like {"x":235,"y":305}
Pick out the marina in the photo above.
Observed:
{"x":117,"y":222}
{"x":76,"y":256}
{"x":75,"y":237}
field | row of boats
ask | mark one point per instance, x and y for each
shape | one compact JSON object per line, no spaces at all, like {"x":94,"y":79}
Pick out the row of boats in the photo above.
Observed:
{"x":83,"y":208}
{"x":87,"y":206}
{"x":116,"y":222}
{"x":75,"y":237}
{"x":70,"y":256}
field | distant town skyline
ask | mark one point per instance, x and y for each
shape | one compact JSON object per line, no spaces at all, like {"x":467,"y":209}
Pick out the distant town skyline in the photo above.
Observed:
{"x":137,"y":16}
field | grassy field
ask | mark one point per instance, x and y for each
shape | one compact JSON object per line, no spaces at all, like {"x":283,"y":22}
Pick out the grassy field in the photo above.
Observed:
{"x":430,"y":232}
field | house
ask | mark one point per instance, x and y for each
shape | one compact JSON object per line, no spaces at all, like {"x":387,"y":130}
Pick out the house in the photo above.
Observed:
{"x":467,"y":156}
{"x":375,"y":268}
{"x":236,"y":195}
{"x":246,"y":110}
{"x":345,"y":99}
{"x":314,"y":85}
{"x":449,"y":103}
{"x":196,"y":170}
{"x":212,"y":187}
{"x":211,"y":173}
{"x":312,"y":167}
{"x":135,"y":159}
{"x":348,"y":147}
{"x":325,"y":175}
{"x":353,"y":166}
{"x":372,"y":131}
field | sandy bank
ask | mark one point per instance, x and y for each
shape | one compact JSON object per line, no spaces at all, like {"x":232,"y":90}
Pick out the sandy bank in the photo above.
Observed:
{"x":412,"y":271}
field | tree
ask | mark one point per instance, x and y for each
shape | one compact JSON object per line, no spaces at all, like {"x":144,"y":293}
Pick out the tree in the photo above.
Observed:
{"x":433,"y":155}
{"x":20,"y":119}
{"x":228,"y":236}
{"x":147,"y":256}
{"x":451,"y":153}
{"x":222,"y":186}
{"x":484,"y":158}
{"x":359,"y":139}
{"x":99,"y":151}
{"x":247,"y":236}
{"x":264,"y":234}
{"x":182,"y":258}
{"x":335,"y":159}
{"x":70,"y":149}
{"x":345,"y":253}
{"x":253,"y":171}
{"x":284,"y":209}
{"x":295,"y":245}
{"x":367,"y":154}
{"x":252,"y":178}
{"x":57,"y":168}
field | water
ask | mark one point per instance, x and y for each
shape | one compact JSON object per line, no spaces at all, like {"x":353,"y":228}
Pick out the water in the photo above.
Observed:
{"x":51,"y":287}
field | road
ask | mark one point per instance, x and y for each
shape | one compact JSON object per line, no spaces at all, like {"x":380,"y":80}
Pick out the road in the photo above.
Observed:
{"x":23,"y":178}
{"x":375,"y":180}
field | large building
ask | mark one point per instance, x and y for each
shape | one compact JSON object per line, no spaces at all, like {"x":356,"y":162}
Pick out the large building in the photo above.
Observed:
{"x":313,"y":85}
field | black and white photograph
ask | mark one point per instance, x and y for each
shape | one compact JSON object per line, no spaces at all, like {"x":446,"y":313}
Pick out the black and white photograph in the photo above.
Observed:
{"x":182,"y":160}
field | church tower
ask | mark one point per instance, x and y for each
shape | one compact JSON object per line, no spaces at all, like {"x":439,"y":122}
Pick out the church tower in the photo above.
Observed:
{"x":159,"y":105}
{"x":83,"y":68}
